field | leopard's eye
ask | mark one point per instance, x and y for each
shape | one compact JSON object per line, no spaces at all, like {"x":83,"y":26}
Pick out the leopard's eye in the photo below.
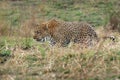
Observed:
{"x":37,"y":32}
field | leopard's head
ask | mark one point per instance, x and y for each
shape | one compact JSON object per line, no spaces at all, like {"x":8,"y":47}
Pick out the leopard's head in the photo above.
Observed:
{"x":45,"y":29}
{"x":40,"y":33}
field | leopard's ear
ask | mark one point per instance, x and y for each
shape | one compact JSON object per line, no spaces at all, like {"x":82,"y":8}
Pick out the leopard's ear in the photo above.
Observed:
{"x":53,"y":20}
{"x":52,"y":23}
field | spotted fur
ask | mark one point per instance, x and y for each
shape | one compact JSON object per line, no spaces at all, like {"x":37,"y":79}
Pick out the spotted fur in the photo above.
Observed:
{"x":64,"y":32}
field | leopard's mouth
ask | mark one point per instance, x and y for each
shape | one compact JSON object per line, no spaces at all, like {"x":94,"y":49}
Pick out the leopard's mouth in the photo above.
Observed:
{"x":41,"y":40}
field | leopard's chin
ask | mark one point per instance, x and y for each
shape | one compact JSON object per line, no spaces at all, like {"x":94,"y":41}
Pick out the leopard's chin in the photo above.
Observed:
{"x":40,"y":40}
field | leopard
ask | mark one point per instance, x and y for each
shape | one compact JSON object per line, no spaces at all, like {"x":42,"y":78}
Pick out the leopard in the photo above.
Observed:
{"x":64,"y":32}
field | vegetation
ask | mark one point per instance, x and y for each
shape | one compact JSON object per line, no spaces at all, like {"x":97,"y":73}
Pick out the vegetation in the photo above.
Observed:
{"x":22,"y":58}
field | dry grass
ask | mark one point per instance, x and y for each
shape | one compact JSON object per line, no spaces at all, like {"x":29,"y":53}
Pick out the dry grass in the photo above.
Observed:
{"x":42,"y":62}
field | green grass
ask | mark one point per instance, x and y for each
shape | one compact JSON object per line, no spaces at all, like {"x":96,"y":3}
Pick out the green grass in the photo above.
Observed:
{"x":97,"y":13}
{"x":27,"y":43}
